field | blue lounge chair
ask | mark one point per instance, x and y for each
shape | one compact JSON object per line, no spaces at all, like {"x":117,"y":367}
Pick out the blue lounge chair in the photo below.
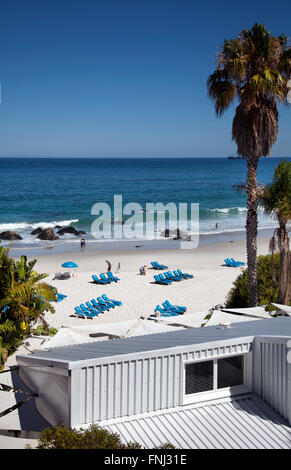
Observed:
{"x":111,"y":277}
{"x":240,"y":263}
{"x":86,"y":309}
{"x":168,"y":303}
{"x":164,"y":278}
{"x":164,"y":282}
{"x":60,"y":297}
{"x":116,"y":302}
{"x":185,"y":275}
{"x":178,"y":308}
{"x":100,"y":281}
{"x":100,"y":307}
{"x":167,"y":312}
{"x":160,"y":266}
{"x":84,"y":314}
{"x":172,"y":309}
{"x":231,"y":264}
{"x":153,"y":263}
{"x":175,"y":276}
{"x":168,"y":275}
{"x":106,"y":303}
{"x":93,"y":309}
{"x":105,"y":279}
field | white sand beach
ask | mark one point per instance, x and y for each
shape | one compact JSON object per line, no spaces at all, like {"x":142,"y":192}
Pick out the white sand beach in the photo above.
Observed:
{"x":139,"y":295}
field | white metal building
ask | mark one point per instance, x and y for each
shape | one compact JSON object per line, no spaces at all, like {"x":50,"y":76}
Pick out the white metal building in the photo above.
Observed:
{"x":196,"y":388}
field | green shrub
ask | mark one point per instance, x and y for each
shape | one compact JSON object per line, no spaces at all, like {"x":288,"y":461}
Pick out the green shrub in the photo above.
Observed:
{"x":95,"y":437}
{"x":62,"y":437}
{"x":44,"y":330}
{"x":268,"y":290}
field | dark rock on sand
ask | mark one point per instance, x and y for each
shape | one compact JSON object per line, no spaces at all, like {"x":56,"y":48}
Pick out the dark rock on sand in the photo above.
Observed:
{"x":48,"y":234}
{"x":71,"y":230}
{"x":10,"y":235}
{"x":177,"y":234}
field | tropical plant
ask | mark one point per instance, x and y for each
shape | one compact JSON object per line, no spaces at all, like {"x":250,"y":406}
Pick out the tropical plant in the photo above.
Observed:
{"x":254,"y":69}
{"x":24,"y":300}
{"x":24,"y":270}
{"x":275,"y":198}
{"x":268,"y":284}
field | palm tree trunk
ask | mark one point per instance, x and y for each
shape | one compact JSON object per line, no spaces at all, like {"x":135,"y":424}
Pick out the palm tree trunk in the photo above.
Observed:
{"x":284,"y":276}
{"x":252,"y":229}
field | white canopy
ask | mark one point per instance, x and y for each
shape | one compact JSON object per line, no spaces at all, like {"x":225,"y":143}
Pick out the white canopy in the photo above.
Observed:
{"x":285,"y":308}
{"x":219,"y":316}
{"x":65,"y":337}
{"x":257,"y":312}
{"x":134,"y":327}
{"x":145,"y":327}
{"x":189,"y":320}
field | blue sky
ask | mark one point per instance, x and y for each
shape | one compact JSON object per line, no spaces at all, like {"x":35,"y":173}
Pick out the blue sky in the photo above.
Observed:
{"x":121,"y":78}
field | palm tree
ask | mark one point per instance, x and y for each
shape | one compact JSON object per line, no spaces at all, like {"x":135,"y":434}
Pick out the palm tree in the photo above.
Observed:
{"x":24,"y":299}
{"x":253,"y":69}
{"x":276,"y":199}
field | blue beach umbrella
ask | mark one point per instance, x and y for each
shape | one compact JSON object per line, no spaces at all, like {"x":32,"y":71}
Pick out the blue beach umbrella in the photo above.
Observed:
{"x":69,"y":264}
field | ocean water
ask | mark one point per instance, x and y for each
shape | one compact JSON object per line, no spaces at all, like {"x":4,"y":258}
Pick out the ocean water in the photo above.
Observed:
{"x":46,"y":192}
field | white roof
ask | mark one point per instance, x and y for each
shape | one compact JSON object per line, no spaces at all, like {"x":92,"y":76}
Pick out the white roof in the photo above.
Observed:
{"x":285,"y":308}
{"x":219,"y":316}
{"x":190,"y":320}
{"x":258,"y":312}
{"x":243,"y":423}
{"x":93,"y":352}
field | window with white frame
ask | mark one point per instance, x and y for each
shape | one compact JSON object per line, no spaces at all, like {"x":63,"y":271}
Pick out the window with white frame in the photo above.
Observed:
{"x":217,"y":374}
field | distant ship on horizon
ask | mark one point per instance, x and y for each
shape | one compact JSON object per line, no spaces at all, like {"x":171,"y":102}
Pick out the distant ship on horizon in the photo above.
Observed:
{"x":235,"y":157}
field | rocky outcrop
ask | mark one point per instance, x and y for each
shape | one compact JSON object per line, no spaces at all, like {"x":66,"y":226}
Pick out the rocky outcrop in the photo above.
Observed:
{"x":36,"y":231}
{"x":47,"y":234}
{"x":71,"y":230}
{"x":10,"y":235}
{"x":167,"y":233}
{"x":175,"y":234}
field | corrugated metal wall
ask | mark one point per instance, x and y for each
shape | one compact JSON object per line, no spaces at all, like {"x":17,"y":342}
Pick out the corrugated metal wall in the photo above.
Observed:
{"x":124,"y":388}
{"x":272,"y":377}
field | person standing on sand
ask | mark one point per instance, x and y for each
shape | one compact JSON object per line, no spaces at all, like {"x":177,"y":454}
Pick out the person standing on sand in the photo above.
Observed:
{"x":108,"y":265}
{"x":83,"y":244}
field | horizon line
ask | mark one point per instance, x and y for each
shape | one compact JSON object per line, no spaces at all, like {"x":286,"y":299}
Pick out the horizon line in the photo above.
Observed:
{"x":124,"y":157}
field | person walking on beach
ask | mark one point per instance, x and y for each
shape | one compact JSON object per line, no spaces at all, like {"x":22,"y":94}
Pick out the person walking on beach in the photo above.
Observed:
{"x":108,"y":265}
{"x":83,"y":244}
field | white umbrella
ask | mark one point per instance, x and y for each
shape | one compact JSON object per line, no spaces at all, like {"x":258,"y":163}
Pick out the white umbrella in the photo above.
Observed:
{"x":284,"y":308}
{"x":134,"y":327}
{"x":189,"y":320}
{"x":257,"y":312}
{"x":219,"y":317}
{"x":66,"y":337}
